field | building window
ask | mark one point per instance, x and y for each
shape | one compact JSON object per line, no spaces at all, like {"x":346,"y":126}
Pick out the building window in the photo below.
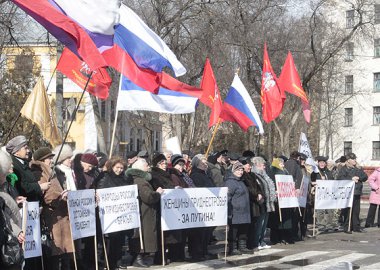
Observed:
{"x":376,"y":82}
{"x":376,"y":47}
{"x":377,"y":14}
{"x":350,"y":18}
{"x":376,"y":150}
{"x":349,"y":85}
{"x":68,"y":107}
{"x":376,"y":115}
{"x":349,"y":51}
{"x":348,"y":117}
{"x":347,"y":148}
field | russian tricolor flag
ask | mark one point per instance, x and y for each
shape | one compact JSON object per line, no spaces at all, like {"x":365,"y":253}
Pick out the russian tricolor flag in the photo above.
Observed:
{"x":145,"y":47}
{"x":132,"y":97}
{"x":238,"y":107}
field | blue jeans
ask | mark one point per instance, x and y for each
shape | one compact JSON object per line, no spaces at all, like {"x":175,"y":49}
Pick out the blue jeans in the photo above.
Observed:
{"x":259,"y":230}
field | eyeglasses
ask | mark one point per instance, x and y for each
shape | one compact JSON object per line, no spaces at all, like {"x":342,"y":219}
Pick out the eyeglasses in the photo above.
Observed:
{"x":163,"y":162}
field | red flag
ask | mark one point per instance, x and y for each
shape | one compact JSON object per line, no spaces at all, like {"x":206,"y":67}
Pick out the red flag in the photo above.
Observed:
{"x":290,"y":82}
{"x":211,"y":95}
{"x":78,"y":71}
{"x":271,"y":97}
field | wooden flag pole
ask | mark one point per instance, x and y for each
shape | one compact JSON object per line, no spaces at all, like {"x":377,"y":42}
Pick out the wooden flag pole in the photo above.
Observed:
{"x":162,"y":247}
{"x":96,"y":252}
{"x":72,"y":241}
{"x":279,"y":209}
{"x":105,"y":252}
{"x":225,"y":245}
{"x":213,"y":137}
{"x":349,"y":220}
{"x":314,"y":214}
{"x":141,"y":239}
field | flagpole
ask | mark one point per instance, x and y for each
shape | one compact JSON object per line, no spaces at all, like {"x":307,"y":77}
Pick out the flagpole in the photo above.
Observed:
{"x":72,"y":119}
{"x":113,"y":133}
{"x":213,"y":137}
{"x":115,"y":121}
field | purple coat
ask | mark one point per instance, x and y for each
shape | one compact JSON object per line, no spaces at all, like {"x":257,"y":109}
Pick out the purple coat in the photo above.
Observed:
{"x":374,"y":182}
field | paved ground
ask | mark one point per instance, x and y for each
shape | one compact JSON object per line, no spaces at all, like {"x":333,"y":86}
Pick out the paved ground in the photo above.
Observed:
{"x":332,"y":251}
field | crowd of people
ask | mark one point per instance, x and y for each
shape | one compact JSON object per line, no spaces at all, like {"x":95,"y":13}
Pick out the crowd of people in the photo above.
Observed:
{"x":46,"y":176}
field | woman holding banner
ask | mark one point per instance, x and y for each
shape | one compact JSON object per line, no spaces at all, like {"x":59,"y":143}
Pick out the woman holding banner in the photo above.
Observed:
{"x":172,"y":239}
{"x":238,"y":211}
{"x":281,"y":231}
{"x":54,"y":214}
{"x":114,"y":177}
{"x":149,"y":203}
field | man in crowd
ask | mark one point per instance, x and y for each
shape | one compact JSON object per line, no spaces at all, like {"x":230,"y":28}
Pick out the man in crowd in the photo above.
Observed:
{"x":351,"y":171}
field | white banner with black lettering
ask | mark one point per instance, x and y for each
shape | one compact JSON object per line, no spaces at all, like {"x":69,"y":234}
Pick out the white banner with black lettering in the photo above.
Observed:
{"x":286,"y":191}
{"x":304,"y":190}
{"x":193,"y":207}
{"x":334,"y":194}
{"x":32,"y":246}
{"x":118,"y":208}
{"x":81,"y":205}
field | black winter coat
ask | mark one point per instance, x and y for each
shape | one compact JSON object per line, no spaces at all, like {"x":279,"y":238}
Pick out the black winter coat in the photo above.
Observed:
{"x":27,"y":184}
{"x":200,"y":178}
{"x":110,"y":179}
{"x":254,"y":190}
{"x":294,"y":169}
{"x":346,"y":173}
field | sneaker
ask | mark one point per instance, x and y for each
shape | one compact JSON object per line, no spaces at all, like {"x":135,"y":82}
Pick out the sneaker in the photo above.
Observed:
{"x":265,"y":246}
{"x":260,"y":247}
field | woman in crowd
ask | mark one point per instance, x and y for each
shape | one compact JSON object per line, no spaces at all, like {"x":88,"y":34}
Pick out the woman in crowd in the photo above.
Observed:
{"x":84,"y":166}
{"x":269,"y":192}
{"x":114,"y":177}
{"x":280,"y":231}
{"x":374,"y":199}
{"x":149,"y":203}
{"x":65,"y":173}
{"x":161,"y":178}
{"x":256,"y":200}
{"x":238,"y":211}
{"x":180,"y":180}
{"x":200,"y":237}
{"x":8,"y":205}
{"x":54,"y":214}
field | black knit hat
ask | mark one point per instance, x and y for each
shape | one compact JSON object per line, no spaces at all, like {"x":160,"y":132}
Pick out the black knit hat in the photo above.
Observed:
{"x":157,"y":159}
{"x":175,"y":159}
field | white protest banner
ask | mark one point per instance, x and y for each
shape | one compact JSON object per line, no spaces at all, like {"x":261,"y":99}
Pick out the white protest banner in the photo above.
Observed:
{"x":118,"y":208}
{"x":32,"y":245}
{"x":81,"y":206}
{"x":193,"y":207}
{"x":304,"y":189}
{"x":334,"y":194}
{"x":304,"y":148}
{"x":286,"y":191}
{"x":172,"y":144}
